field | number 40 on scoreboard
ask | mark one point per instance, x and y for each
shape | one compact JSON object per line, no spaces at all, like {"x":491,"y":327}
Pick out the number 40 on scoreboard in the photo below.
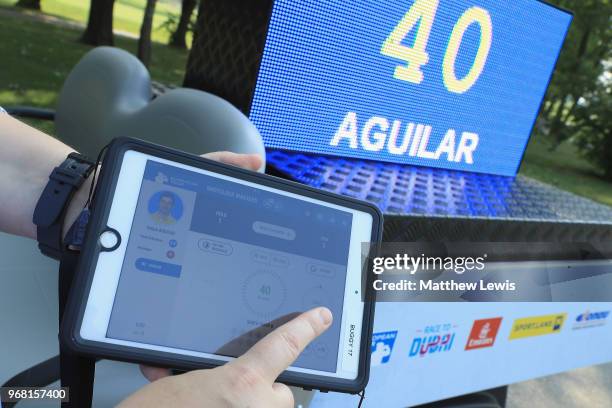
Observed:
{"x":419,"y":82}
{"x":416,"y":56}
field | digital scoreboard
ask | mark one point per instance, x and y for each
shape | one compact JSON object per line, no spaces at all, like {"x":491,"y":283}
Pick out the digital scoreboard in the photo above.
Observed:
{"x":438,"y":83}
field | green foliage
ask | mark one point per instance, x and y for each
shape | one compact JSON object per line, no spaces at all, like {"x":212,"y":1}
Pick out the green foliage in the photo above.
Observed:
{"x":171,"y":22}
{"x":593,"y":125}
{"x":565,"y":169}
{"x":577,"y":98}
{"x":127,"y":14}
{"x":37,"y":57}
{"x":29,"y":4}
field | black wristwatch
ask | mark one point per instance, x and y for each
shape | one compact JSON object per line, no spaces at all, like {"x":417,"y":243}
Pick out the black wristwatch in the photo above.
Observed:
{"x":51,"y":208}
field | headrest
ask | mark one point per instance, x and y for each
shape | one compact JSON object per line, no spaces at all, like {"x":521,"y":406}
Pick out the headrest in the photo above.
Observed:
{"x":108,"y":94}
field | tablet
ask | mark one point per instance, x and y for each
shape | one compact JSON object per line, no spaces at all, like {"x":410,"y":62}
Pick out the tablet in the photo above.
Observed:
{"x":188,"y":262}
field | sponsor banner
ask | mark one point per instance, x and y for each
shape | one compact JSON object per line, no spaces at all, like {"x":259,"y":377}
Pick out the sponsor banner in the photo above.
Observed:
{"x":537,"y":325}
{"x":433,"y":339}
{"x":382,"y":347}
{"x":461,"y":370}
{"x":483,"y":333}
{"x":591,"y":319}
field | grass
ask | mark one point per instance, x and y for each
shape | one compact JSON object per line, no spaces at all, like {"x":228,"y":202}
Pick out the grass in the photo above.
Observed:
{"x":37,"y":60}
{"x":37,"y":57}
{"x":127,"y":14}
{"x":566,"y":169}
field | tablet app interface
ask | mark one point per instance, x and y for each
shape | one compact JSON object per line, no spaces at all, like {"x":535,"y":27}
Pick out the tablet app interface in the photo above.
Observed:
{"x":214,"y":265}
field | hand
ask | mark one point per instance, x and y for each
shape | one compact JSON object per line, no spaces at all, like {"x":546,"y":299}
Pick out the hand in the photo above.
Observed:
{"x":24,"y":184}
{"x":246,"y":161}
{"x":246,"y":381}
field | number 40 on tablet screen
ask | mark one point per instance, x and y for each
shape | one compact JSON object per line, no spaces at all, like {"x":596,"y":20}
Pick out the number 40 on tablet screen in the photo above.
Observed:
{"x":416,"y":56}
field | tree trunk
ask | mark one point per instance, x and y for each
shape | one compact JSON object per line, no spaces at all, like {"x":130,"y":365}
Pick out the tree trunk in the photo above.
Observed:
{"x":560,"y":120}
{"x":178,"y":38}
{"x":228,"y":41}
{"x":548,"y":108}
{"x":607,"y":164}
{"x":556,"y":128}
{"x":29,"y":4}
{"x":569,"y":111}
{"x":554,"y":105}
{"x":99,"y":29}
{"x":144,"y":42}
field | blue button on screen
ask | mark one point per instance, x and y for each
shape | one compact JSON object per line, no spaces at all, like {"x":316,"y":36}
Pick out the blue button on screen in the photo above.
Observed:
{"x":161,"y":268}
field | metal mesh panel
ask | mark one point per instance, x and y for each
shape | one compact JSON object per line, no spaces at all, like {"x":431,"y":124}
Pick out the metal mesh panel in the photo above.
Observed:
{"x":432,"y":229}
{"x":411,"y":190}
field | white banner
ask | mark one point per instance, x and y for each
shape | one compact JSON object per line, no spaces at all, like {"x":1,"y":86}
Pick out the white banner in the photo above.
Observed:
{"x":423,"y":352}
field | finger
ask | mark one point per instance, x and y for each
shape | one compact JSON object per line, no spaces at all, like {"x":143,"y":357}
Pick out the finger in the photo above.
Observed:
{"x":154,"y":373}
{"x":284,"y":395}
{"x":246,"y":161}
{"x":241,"y":344}
{"x":275,"y":352}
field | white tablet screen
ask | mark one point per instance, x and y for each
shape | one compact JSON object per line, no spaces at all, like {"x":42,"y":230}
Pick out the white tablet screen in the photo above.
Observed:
{"x":212,"y":266}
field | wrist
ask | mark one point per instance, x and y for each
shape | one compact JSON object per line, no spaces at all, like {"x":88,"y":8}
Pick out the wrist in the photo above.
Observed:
{"x":33,"y":180}
{"x":61,"y":201}
{"x":76,"y":204}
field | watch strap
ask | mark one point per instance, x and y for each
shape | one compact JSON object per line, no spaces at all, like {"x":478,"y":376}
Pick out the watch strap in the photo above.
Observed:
{"x":50,"y":210}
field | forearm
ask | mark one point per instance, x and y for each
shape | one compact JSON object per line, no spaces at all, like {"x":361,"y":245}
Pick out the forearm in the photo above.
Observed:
{"x":27,"y":157}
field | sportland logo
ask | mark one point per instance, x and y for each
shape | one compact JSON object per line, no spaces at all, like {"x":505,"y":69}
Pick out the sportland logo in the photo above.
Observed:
{"x":483,"y":333}
{"x":537,"y":326}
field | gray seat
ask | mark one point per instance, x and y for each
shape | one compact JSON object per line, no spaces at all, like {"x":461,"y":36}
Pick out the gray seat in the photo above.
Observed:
{"x":108,"y":94}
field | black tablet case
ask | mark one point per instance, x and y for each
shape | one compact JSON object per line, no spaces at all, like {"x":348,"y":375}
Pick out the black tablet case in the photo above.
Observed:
{"x":71,"y":322}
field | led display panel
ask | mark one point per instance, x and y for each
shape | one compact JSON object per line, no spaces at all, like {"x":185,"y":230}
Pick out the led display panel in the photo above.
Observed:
{"x":447,"y":84}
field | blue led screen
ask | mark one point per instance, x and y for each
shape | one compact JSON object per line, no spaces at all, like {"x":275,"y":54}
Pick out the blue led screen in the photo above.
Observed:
{"x":450,"y":84}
